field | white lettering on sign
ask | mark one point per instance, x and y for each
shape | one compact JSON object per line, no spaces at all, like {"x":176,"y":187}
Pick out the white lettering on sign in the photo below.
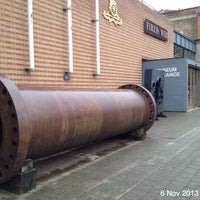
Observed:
{"x":171,"y":71}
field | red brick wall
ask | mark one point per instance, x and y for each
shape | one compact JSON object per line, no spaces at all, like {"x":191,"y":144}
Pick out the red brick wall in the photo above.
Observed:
{"x":198,"y":29}
{"x":122,"y":47}
{"x":13,"y":39}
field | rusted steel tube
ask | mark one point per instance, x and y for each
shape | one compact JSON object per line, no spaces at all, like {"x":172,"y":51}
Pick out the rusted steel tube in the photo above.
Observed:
{"x":39,"y":122}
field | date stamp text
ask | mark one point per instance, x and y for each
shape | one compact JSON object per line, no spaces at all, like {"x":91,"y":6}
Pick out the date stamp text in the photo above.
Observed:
{"x":182,"y":193}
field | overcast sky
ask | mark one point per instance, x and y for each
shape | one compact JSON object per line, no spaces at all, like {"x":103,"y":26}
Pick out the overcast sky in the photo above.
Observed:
{"x":172,"y":4}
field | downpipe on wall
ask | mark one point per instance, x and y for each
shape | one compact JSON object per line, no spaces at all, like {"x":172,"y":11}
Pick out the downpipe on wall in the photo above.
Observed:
{"x":31,"y":37}
{"x":97,"y":39}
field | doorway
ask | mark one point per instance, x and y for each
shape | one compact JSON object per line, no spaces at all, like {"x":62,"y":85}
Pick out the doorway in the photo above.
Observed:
{"x":192,"y":87}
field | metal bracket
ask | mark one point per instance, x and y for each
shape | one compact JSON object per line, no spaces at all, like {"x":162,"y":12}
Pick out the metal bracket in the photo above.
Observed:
{"x":66,"y":9}
{"x":28,"y":70}
{"x":95,"y":20}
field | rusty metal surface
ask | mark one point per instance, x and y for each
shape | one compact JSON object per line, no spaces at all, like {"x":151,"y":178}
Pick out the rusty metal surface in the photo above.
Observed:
{"x":39,"y":122}
{"x":14,"y":130}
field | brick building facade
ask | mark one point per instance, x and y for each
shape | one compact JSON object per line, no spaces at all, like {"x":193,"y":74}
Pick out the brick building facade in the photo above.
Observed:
{"x":122,"y":47}
{"x":187,"y":21}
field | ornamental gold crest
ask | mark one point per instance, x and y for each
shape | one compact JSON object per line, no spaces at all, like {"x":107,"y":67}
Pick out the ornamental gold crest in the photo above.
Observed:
{"x":111,"y":15}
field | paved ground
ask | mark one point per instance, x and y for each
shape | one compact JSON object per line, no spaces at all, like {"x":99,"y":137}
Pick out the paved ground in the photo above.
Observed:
{"x":166,"y":165}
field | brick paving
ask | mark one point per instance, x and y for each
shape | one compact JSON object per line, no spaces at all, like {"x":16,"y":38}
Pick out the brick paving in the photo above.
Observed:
{"x":166,"y":165}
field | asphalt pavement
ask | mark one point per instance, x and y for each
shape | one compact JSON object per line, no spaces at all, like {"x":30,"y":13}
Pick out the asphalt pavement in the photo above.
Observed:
{"x":166,"y":165}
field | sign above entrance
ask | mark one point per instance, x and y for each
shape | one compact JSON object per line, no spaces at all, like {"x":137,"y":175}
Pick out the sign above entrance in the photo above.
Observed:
{"x":171,"y":71}
{"x":154,"y":30}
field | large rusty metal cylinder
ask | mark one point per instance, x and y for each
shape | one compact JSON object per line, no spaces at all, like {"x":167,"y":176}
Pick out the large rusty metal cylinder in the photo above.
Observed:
{"x":39,"y":122}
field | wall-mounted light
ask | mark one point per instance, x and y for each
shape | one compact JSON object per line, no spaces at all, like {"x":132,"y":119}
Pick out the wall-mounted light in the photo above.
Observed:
{"x":66,"y":76}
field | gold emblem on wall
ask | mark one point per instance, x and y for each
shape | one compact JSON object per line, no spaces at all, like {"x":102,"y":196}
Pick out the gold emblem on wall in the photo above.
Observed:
{"x":112,"y":15}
